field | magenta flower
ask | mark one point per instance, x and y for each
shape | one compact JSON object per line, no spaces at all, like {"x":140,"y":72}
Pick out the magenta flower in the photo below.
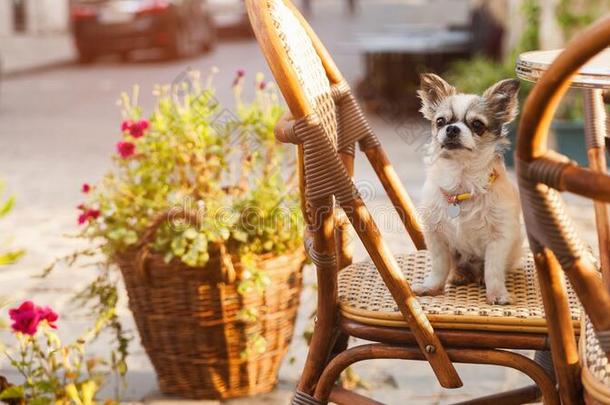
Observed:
{"x":47,"y":314}
{"x":126,"y":149}
{"x":241,"y":73}
{"x":125,"y":125}
{"x":135,"y":129}
{"x":28,"y":316}
{"x":85,"y":188}
{"x":87,"y":214}
{"x":262,"y":85}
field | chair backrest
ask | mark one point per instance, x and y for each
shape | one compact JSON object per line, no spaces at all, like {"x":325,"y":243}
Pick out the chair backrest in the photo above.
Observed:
{"x":327,"y":122}
{"x":554,"y":242}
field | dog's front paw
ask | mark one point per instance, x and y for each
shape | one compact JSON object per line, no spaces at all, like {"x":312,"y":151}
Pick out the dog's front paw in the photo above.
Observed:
{"x":499,"y":298}
{"x":423,"y":290}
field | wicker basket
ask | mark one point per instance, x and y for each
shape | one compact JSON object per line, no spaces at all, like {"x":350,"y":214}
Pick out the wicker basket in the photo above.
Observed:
{"x":188,"y":321}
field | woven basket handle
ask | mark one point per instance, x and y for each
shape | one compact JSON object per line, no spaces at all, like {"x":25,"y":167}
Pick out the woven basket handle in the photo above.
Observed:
{"x":191,"y":217}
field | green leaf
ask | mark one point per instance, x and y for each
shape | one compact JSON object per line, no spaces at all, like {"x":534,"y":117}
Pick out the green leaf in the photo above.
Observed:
{"x":7,"y":206}
{"x":13,"y":392}
{"x":10,"y":257}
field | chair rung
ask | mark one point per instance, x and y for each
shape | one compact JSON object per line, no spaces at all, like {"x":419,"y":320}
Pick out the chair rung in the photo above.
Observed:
{"x":523,"y":395}
{"x":301,"y":398}
{"x":341,"y":396}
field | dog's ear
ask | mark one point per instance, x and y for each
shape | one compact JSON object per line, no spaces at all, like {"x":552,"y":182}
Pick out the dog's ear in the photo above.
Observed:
{"x":432,"y":91}
{"x":501,"y":100}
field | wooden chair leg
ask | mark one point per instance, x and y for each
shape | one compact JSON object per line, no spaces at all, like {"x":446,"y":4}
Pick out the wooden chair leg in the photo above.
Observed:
{"x":471,"y":356}
{"x":595,"y":132}
{"x":561,"y":331}
{"x":325,"y":330}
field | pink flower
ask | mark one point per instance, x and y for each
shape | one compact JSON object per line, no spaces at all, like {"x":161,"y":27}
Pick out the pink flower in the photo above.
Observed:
{"x":85,"y":188}
{"x":28,"y":316}
{"x":47,"y":314}
{"x":87,"y":214}
{"x":241,"y":73}
{"x":136,"y":129}
{"x":125,"y":125}
{"x":125,"y":149}
{"x":262,"y":85}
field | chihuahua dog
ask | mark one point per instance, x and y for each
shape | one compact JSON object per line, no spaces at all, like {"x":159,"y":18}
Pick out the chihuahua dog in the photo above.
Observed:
{"x":470,"y":207}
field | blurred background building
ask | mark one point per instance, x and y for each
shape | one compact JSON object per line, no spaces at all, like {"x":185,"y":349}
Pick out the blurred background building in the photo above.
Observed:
{"x":33,"y":16}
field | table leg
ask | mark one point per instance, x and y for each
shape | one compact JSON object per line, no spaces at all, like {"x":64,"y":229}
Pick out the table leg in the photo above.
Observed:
{"x":595,"y":132}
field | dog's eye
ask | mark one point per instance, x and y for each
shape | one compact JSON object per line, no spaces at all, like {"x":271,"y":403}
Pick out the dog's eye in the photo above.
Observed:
{"x":440,"y":121}
{"x":478,"y":127}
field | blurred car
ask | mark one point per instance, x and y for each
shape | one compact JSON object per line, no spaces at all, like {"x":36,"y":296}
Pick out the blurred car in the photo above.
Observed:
{"x":229,"y":14}
{"x":179,"y":27}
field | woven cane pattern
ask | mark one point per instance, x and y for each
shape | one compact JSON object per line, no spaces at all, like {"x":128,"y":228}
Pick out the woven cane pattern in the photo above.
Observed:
{"x":596,"y":360}
{"x":595,"y":118}
{"x":363,"y":294}
{"x":319,"y":259}
{"x":547,"y":219}
{"x":548,"y":169}
{"x":306,"y":63}
{"x":352,"y":124}
{"x":301,"y":398}
{"x":324,"y":172}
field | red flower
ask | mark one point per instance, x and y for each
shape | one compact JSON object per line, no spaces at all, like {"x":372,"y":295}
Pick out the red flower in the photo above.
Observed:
{"x":125,"y":149}
{"x":125,"y":125}
{"x":87,"y":215}
{"x":47,"y":314}
{"x":136,"y":129}
{"x":85,"y":188}
{"x":28,"y":316}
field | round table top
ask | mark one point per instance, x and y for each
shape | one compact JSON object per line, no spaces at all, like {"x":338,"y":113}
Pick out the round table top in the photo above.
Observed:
{"x":595,"y":74}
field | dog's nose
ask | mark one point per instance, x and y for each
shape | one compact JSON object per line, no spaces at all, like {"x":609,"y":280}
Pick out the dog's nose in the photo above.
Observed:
{"x":453,"y":131}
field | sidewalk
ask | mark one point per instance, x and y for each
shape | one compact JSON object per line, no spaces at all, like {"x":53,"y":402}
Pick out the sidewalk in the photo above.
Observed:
{"x":27,"y":53}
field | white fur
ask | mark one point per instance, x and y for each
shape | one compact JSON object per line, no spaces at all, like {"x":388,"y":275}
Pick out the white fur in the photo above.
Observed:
{"x":488,"y":226}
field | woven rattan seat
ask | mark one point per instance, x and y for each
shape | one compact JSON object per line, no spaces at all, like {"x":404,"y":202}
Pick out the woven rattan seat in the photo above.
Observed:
{"x":364,"y":297}
{"x":596,"y":368}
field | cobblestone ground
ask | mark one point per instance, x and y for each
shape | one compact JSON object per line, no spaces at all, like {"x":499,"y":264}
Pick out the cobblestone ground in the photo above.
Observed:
{"x":57,"y":129}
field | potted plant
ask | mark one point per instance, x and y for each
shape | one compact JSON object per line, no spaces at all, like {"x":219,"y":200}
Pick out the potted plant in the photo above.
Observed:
{"x":201,"y":215}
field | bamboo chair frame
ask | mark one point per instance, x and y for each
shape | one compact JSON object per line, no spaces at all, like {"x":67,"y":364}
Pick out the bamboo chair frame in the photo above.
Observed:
{"x":327,"y":244}
{"x":542,"y":173}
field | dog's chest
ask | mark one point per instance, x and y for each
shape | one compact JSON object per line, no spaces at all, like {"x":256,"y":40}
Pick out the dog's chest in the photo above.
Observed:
{"x":472,"y":228}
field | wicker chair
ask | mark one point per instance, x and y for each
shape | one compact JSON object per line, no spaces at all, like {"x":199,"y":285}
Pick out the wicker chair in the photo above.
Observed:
{"x":542,"y":173}
{"x":373,"y":300}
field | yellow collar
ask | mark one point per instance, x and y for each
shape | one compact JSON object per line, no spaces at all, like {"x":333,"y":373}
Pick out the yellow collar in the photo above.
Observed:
{"x":458,"y":198}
